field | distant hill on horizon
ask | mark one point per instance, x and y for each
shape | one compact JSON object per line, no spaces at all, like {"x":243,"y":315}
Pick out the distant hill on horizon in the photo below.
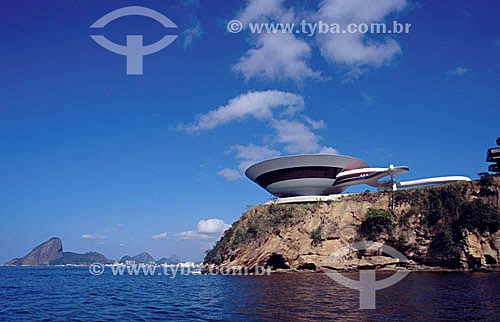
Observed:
{"x":146,"y":258}
{"x":42,"y":254}
{"x":51,"y":252}
{"x":81,"y":259}
{"x":142,"y":258}
{"x":171,"y":260}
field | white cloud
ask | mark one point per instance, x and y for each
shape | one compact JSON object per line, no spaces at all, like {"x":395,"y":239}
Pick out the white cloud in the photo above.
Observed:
{"x":277,"y":56}
{"x":230,"y":174}
{"x":297,"y":137}
{"x":273,"y":55}
{"x":93,"y":236}
{"x":192,"y":33}
{"x":459,"y":71}
{"x":207,"y":229}
{"x":250,"y":154}
{"x":351,"y":50}
{"x":189,"y":235}
{"x":260,"y":10}
{"x":359,"y":11}
{"x":247,"y":155}
{"x":352,"y":73}
{"x":211,"y":226}
{"x":316,"y":125}
{"x":284,"y":56}
{"x":259,"y":105}
{"x":355,"y":51}
{"x":367,"y":99}
{"x":254,"y":152}
{"x":293,"y":131}
{"x":328,"y":150}
{"x":160,"y":236}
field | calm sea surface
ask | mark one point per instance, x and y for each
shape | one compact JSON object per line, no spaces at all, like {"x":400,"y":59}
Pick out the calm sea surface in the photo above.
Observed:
{"x":73,"y":294}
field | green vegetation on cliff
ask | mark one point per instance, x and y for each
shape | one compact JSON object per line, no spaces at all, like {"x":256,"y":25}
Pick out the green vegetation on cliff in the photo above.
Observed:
{"x":377,"y":222}
{"x":316,"y":235}
{"x":448,"y":212}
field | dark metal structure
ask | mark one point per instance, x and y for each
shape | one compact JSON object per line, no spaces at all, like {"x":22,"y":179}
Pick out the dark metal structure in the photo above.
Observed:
{"x":494,"y":156}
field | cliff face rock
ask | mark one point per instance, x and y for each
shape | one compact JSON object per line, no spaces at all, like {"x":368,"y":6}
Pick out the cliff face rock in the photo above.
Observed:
{"x":449,"y":226}
{"x":41,"y":254}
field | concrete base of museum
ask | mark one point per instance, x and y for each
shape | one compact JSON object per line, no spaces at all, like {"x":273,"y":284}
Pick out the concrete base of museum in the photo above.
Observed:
{"x":301,"y":199}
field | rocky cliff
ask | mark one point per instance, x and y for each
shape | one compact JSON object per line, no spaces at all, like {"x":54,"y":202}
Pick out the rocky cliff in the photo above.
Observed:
{"x":450,"y":226}
{"x":42,"y":254}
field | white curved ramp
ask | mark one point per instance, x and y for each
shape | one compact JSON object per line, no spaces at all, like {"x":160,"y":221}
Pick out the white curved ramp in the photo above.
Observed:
{"x":372,"y":176}
{"x":428,"y":181}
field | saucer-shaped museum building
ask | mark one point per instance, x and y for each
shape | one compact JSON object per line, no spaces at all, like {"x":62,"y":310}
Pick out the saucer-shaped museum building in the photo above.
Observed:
{"x":325,"y":174}
{"x":302,"y":175}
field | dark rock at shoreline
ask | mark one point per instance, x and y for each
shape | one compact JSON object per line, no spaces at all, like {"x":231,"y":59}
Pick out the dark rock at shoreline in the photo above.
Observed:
{"x":42,"y":254}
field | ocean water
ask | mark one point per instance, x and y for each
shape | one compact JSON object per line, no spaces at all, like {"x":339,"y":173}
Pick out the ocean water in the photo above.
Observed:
{"x":73,"y":294}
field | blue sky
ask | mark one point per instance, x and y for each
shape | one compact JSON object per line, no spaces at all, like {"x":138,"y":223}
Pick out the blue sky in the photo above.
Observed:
{"x":107,"y":161}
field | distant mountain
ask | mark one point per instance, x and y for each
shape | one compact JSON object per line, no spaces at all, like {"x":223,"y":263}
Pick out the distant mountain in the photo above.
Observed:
{"x":42,"y":254}
{"x":81,"y":259}
{"x":51,"y":253}
{"x":172,"y":260}
{"x":142,"y":258}
{"x":126,"y":258}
